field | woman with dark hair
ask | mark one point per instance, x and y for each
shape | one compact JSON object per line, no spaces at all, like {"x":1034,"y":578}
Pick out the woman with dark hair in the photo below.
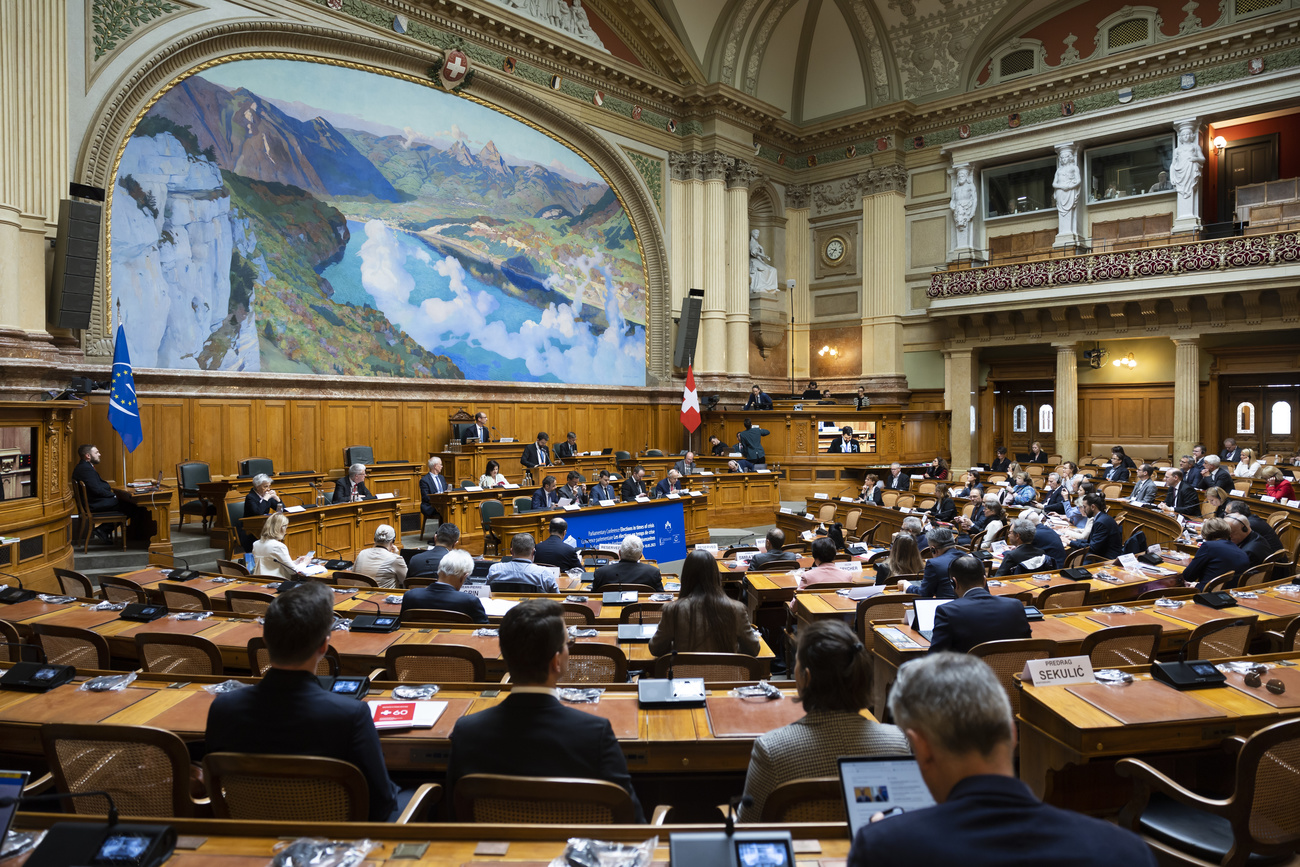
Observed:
{"x":703,"y":619}
{"x":832,"y":675}
{"x":1117,"y":455}
{"x":871,"y":488}
{"x":944,"y":509}
{"x":492,"y":477}
{"x":1001,"y":463}
{"x":938,"y":469}
{"x":971,"y":487}
{"x":904,"y":559}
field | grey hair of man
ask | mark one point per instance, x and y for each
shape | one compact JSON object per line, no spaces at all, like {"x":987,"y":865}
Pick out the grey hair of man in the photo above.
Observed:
{"x":1033,"y":516}
{"x":434,"y":463}
{"x":955,"y":700}
{"x":940,"y":538}
{"x":261,"y":479}
{"x":522,"y":545}
{"x":356,"y":470}
{"x":913,"y":525}
{"x":384,"y":535}
{"x":1212,"y":461}
{"x":1023,"y":529}
{"x":454,"y":567}
{"x":629,"y":550}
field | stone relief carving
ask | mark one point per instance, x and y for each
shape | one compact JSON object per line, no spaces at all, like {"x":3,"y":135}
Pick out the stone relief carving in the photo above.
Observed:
{"x":890,"y":179}
{"x":930,"y":49}
{"x":1066,"y":184}
{"x":741,"y":174}
{"x":1185,"y":174}
{"x":835,"y":197}
{"x":558,"y":15}
{"x":1071,"y":54}
{"x":1190,"y":22}
{"x":714,"y":165}
{"x":964,"y":201}
{"x":686,"y":167}
{"x":876,"y":56}
{"x":762,"y":273}
{"x":732,"y":49}
{"x":797,"y":196}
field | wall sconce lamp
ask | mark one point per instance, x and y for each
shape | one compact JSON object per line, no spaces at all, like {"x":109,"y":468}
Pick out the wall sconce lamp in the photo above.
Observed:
{"x":1220,"y":143}
{"x":1127,"y":361}
{"x":828,"y":350}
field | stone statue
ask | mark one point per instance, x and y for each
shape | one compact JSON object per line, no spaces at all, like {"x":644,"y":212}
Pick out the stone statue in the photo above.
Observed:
{"x":558,"y":14}
{"x":762,"y":276}
{"x":1066,"y":185}
{"x":1185,"y":176}
{"x":963,"y":203}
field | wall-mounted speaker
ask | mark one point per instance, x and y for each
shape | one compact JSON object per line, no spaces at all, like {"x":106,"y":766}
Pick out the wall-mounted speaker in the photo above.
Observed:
{"x":688,"y":328}
{"x":76,"y":255}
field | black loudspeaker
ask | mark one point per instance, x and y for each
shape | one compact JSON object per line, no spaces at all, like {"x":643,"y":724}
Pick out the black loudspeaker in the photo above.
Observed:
{"x":76,"y":254}
{"x":688,"y":328}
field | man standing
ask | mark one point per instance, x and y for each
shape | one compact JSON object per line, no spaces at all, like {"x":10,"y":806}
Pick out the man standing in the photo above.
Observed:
{"x":1230,"y":454}
{"x":629,"y":569}
{"x":575,"y":489}
{"x":531,"y":733}
{"x":518,"y":568}
{"x":751,"y":442}
{"x":288,"y":712}
{"x":1198,"y":466}
{"x":686,"y":466}
{"x":546,"y":496}
{"x":568,"y":448}
{"x":444,"y":594}
{"x":1104,"y":540}
{"x":554,"y":551}
{"x":537,"y":454}
{"x":936,"y":582}
{"x":897,"y":480}
{"x":634,"y":485}
{"x":958,"y":719}
{"x":444,"y":542}
{"x":775,"y":550}
{"x":602,"y":490}
{"x":1025,"y":557}
{"x":846,"y":444}
{"x":757,"y":400}
{"x":352,"y":486}
{"x":976,"y":616}
{"x":479,"y":431}
{"x":102,"y":497}
{"x":432,"y":483}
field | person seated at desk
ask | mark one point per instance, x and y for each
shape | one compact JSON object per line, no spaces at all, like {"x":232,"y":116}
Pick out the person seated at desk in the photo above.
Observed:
{"x":444,"y":542}
{"x":846,"y":444}
{"x":546,"y":496}
{"x":1180,"y":497}
{"x":288,"y":712}
{"x":871,"y":490}
{"x":938,"y":469}
{"x":1241,"y":535}
{"x":519,"y":568}
{"x":1247,"y":466}
{"x":904,"y":559}
{"x":1045,"y":539}
{"x":1118,"y":455}
{"x":971,"y":487}
{"x":1054,"y":494}
{"x":750,"y":442}
{"x":554,"y":551}
{"x":740,"y":466}
{"x":1104,"y":539}
{"x":1215,"y":556}
{"x":444,"y":594}
{"x":775,"y":550}
{"x":628,"y":569}
{"x":492,"y":477}
{"x":261,"y":500}
{"x":717,"y":447}
{"x":832,"y":674}
{"x":1144,"y":488}
{"x":1218,"y":498}
{"x":823,"y":570}
{"x":1213,"y":475}
{"x":530,"y":733}
{"x":634,"y":485}
{"x":671,"y":483}
{"x":703,"y":619}
{"x":976,"y":616}
{"x":912,"y":526}
{"x":1036,"y":454}
{"x":944,"y":509}
{"x":270,"y":555}
{"x":537,"y":454}
{"x":1001,"y":463}
{"x":1024,"y":557}
{"x":1023,"y":493}
{"x":101,"y":497}
{"x":1231,"y":454}
{"x":383,"y":561}
{"x":575,"y":488}
{"x":1116,"y":471}
{"x":757,"y":400}
{"x":432,"y":483}
{"x":958,"y":719}
{"x":1258,"y":525}
{"x":812,"y":392}
{"x":479,"y":431}
{"x":686,"y":466}
{"x":602,"y":490}
{"x":935,"y":582}
{"x":994,"y":518}
{"x":897,"y":480}
{"x":1278,"y":486}
{"x":568,"y":448}
{"x":352,"y":487}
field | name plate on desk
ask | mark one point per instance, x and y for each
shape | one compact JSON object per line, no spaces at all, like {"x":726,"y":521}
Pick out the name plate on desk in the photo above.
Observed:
{"x":785,"y":511}
{"x":607,"y":502}
{"x":1130,"y":562}
{"x":510,"y":485}
{"x":762,"y":471}
{"x":642,"y":498}
{"x":472,"y":488}
{"x":1292,"y":503}
{"x":506,"y":440}
{"x":571,"y":507}
{"x":854,"y":566}
{"x":483,"y":591}
{"x":673,"y":495}
{"x":295,"y":509}
{"x":847,"y":500}
{"x":704,"y":472}
{"x":383,"y":496}
{"x":1064,"y":671}
{"x":1236,"y":493}
{"x":1266,"y":498}
{"x":821,"y":496}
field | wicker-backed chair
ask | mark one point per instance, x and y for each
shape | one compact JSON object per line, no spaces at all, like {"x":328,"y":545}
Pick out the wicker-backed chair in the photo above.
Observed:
{"x":851,"y":522}
{"x":1074,"y":558}
{"x":412,"y":616}
{"x":889,"y":498}
{"x":233,"y":569}
{"x":249,"y":601}
{"x":499,"y":798}
{"x":716,"y":667}
{"x":1284,"y":641}
{"x":577,"y":614}
{"x":179,"y":597}
{"x":1218,"y":639}
{"x":117,"y":590}
{"x":884,"y":608}
{"x":68,"y":645}
{"x":1008,"y":658}
{"x":1260,"y":818}
{"x":826,"y":512}
{"x":733,"y":550}
{"x":642,"y":612}
{"x":1260,"y":574}
{"x":1219,"y":582}
{"x":1063,"y":596}
{"x":905,"y":501}
{"x":592,"y":662}
{"x":811,"y":799}
{"x":487,"y":510}
{"x":1168,"y":592}
{"x":352,"y":579}
{"x":88,"y":521}
{"x":74,"y":583}
{"x":259,"y":660}
{"x":435,"y":663}
{"x":168,"y":653}
{"x":146,"y":769}
{"x":285,"y":788}
{"x":1135,"y":644}
{"x":11,"y":646}
{"x":868,"y":537}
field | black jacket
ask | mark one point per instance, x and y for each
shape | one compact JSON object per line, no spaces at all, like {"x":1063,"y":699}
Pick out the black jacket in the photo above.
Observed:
{"x":623,"y":572}
{"x":535,"y":455}
{"x":255,"y":505}
{"x":936,"y":583}
{"x":631,"y":489}
{"x":901,"y":482}
{"x":343,"y":491}
{"x":975,"y":618}
{"x":552,"y":551}
{"x":1183,"y":499}
{"x":96,"y":488}
{"x":426,"y":562}
{"x":443,"y":597}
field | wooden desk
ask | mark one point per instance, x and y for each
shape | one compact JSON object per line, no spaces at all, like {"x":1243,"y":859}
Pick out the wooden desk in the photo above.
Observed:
{"x":159,"y":504}
{"x":296,"y":489}
{"x":345,"y":527}
{"x":461,"y":507}
{"x":402,"y":480}
{"x":739,"y":499}
{"x":695,"y":512}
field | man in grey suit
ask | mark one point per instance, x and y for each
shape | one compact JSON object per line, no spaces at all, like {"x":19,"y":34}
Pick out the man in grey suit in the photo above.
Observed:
{"x":1144,"y":489}
{"x":686,"y":466}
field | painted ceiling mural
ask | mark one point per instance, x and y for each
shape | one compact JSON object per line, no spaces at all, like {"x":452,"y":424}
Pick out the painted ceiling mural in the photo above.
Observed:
{"x":298,"y":217}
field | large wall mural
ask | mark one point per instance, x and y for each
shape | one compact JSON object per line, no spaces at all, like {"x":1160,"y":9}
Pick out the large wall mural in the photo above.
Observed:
{"x":302,"y":217}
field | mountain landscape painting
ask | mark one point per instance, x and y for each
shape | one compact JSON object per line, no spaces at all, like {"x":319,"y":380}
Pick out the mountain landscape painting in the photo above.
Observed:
{"x":298,"y":217}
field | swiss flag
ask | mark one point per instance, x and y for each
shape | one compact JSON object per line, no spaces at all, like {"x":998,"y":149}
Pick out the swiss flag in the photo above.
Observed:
{"x":690,"y":402}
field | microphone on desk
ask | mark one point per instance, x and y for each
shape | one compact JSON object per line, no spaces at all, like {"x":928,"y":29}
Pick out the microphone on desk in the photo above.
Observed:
{"x":377,"y":622}
{"x":18,"y":800}
{"x":12,"y":595}
{"x":335,"y":565}
{"x":300,"y":500}
{"x":21,"y":647}
{"x":183,"y":574}
{"x":737,"y":801}
{"x":320,"y":494}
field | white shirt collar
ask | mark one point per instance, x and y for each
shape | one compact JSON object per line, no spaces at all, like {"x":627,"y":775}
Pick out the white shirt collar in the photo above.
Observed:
{"x":535,"y":690}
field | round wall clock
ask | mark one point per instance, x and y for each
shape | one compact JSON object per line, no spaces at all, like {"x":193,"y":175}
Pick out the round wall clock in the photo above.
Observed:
{"x":835,"y":250}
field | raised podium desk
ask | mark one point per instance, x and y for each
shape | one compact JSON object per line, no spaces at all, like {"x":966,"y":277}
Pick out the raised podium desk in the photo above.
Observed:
{"x":695,"y":513}
{"x":344,"y":527}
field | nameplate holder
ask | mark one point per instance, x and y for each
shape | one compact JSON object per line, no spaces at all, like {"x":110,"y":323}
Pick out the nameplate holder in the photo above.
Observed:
{"x":383,"y":496}
{"x":821,"y":496}
{"x":1062,"y":671}
{"x":571,"y":507}
{"x":1292,"y":503}
{"x":785,"y":511}
{"x":483,"y":591}
{"x":295,"y":509}
{"x":707,"y":546}
{"x":473,"y":487}
{"x":642,"y":498}
{"x":510,"y":485}
{"x":1266,"y":498}
{"x":809,"y":516}
{"x":704,"y":472}
{"x":673,"y":495}
{"x":1130,"y":562}
{"x":506,"y":440}
{"x":854,"y":566}
{"x":607,"y":502}
{"x":762,"y":471}
{"x":1236,"y":493}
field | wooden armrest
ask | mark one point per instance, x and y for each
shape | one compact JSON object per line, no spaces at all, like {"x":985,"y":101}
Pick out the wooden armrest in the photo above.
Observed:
{"x":425,"y":799}
{"x":38,"y":785}
{"x":1274,"y":639}
{"x":1232,"y":746}
{"x":1146,"y":778}
{"x":505,"y":678}
{"x":378,"y":674}
{"x":660,"y":814}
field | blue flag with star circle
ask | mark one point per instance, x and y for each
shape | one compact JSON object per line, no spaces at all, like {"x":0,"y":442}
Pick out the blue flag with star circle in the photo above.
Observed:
{"x":123,"y":411}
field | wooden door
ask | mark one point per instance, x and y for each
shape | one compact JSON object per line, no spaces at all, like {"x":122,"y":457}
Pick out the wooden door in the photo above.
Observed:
{"x":1262,"y":417}
{"x":1246,"y":161}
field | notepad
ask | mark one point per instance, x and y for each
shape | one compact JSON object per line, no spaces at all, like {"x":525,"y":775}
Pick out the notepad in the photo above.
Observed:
{"x":406,"y":714}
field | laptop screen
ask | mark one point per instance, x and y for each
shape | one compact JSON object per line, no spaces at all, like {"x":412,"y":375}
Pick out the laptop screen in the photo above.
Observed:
{"x":925,"y":609}
{"x":878,"y":784}
{"x":11,"y":786}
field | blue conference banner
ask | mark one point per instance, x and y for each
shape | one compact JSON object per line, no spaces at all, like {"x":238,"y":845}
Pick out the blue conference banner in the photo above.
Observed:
{"x":660,"y":524}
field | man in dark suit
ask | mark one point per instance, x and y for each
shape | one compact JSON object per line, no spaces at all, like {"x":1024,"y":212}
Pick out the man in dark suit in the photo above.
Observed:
{"x":935,"y":582}
{"x":1104,"y":540}
{"x":1258,"y":525}
{"x":537,"y":454}
{"x":629,"y":569}
{"x":1180,"y":497}
{"x":444,"y":594}
{"x":751,"y":442}
{"x":959,"y":722}
{"x":568,"y":448}
{"x":775,"y":550}
{"x":1025,"y":557}
{"x":602,"y":490}
{"x":633,"y":485}
{"x":1117,"y":471}
{"x":845,"y":444}
{"x":1230,"y":454}
{"x":1055,"y":496}
{"x":686,"y":466}
{"x":554,"y":551}
{"x":1244,"y":538}
{"x":1046,"y":539}
{"x":546,"y":496}
{"x":670,"y":483}
{"x":897,"y":480}
{"x":102,"y":497}
{"x":1215,"y":556}
{"x":531,"y":733}
{"x":353,"y":484}
{"x":444,"y":542}
{"x":757,"y":399}
{"x":1214,"y":476}
{"x":288,"y":712}
{"x":575,"y":489}
{"x":1197,"y":467}
{"x":976,"y":616}
{"x":432,"y":483}
{"x":479,"y":431}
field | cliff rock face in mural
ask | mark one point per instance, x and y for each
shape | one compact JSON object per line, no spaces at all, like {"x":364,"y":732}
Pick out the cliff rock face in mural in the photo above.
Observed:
{"x":288,"y":216}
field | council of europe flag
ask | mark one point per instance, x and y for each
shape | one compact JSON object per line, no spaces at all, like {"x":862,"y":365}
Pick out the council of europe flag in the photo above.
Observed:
{"x":123,"y":411}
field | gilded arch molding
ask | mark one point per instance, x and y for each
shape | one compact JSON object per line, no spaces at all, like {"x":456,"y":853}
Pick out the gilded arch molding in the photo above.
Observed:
{"x":99,"y":150}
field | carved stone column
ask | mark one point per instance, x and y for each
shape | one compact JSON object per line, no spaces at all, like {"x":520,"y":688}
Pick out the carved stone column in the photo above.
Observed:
{"x":1067,"y":401}
{"x":1187,"y":394}
{"x":685,"y":232}
{"x":712,"y":354}
{"x":739,"y":177}
{"x":798,"y":267}
{"x":1186,"y":172}
{"x":960,"y":372}
{"x":883,"y":257}
{"x":1067,"y":194}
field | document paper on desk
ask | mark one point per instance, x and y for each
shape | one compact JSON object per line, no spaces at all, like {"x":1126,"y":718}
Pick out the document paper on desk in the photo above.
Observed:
{"x":899,"y":639}
{"x":498,"y":607}
{"x":406,"y":714}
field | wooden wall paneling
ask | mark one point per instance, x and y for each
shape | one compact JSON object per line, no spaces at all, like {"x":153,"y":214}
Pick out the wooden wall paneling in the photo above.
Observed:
{"x":414,"y":431}
{"x":240,"y":429}
{"x":1131,"y":417}
{"x":1101,"y":417}
{"x":272,"y":432}
{"x":336,"y":434}
{"x":385,"y":438}
{"x":1160,"y":417}
{"x":208,"y":437}
{"x":164,"y":424}
{"x":304,"y":429}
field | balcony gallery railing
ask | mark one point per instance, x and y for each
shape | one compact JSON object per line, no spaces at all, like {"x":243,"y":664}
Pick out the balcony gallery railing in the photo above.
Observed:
{"x":1080,"y":270}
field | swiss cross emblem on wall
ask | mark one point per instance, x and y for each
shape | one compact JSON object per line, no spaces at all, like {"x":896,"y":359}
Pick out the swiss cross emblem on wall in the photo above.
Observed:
{"x":455,"y":66}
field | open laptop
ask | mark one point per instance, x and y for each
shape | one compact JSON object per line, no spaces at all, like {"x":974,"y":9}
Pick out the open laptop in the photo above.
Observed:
{"x":925,"y":609}
{"x":11,"y":786}
{"x":880,"y":784}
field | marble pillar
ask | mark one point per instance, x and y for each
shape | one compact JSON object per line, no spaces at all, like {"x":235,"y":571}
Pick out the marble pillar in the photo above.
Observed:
{"x":711,"y":354}
{"x":739,"y":177}
{"x":960,"y":372}
{"x":1187,"y":394}
{"x":684,"y":230}
{"x":798,"y":267}
{"x":1067,"y":401}
{"x":884,"y":292}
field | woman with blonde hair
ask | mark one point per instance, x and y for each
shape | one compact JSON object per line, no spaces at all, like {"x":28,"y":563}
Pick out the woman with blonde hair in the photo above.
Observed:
{"x":1217,"y":497}
{"x":1279,"y":486}
{"x":1247,"y":467}
{"x":270,"y":555}
{"x":904,"y":559}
